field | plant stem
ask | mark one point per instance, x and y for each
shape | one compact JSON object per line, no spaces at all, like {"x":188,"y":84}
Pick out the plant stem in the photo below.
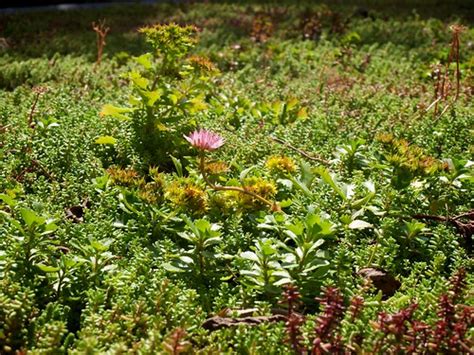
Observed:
{"x":273,"y":205}
{"x":300,"y":151}
{"x":32,"y":111}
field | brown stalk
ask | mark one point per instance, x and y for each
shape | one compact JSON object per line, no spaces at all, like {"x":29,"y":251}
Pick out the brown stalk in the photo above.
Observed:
{"x":466,"y":229}
{"x":457,"y":30}
{"x":442,"y":80}
{"x":39,"y":90}
{"x":300,"y":151}
{"x":101,"y":30}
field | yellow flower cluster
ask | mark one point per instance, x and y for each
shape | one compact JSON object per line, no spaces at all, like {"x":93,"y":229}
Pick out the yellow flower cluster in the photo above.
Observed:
{"x":216,"y":168}
{"x":259,"y":186}
{"x":408,"y":156}
{"x":187,"y":194}
{"x":125,"y":177}
{"x":280,"y":164}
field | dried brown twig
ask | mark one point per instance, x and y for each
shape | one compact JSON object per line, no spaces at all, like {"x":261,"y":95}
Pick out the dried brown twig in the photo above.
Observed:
{"x":466,"y":229}
{"x":300,"y":151}
{"x":39,"y":90}
{"x":442,"y":85}
{"x":101,"y":30}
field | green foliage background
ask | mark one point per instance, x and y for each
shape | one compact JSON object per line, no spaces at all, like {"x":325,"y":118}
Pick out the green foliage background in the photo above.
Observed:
{"x":131,"y":272}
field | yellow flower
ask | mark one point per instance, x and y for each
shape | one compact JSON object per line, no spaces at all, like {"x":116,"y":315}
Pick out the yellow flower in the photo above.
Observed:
{"x":280,"y":164}
{"x":259,"y":186}
{"x":216,"y":168}
{"x":185,"y":193}
{"x":125,"y":177}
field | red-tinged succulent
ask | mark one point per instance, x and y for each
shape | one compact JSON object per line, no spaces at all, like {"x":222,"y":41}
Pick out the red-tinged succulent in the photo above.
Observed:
{"x":291,"y":297}
{"x":327,"y":337}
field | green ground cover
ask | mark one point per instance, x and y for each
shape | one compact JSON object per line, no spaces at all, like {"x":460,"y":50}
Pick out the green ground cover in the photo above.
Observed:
{"x":117,"y":235}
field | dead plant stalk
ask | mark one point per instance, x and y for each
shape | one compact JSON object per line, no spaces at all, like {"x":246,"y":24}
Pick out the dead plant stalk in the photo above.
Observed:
{"x":442,"y":85}
{"x":101,"y":31}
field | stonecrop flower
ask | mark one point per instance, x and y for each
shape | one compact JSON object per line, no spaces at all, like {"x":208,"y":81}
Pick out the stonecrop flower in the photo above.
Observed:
{"x":205,"y":140}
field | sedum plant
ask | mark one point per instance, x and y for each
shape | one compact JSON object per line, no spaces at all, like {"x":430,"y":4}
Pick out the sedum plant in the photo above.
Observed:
{"x":170,"y":89}
{"x":304,"y":259}
{"x":202,"y":236}
{"x":264,"y":273}
{"x":26,"y":244}
{"x":303,"y":254}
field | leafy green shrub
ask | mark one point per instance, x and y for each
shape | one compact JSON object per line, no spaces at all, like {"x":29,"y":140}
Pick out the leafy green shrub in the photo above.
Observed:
{"x":170,"y":90}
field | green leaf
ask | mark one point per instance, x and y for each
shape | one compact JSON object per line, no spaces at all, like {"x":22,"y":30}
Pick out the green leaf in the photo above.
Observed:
{"x":106,"y":140}
{"x":328,"y":179}
{"x":245,"y":172}
{"x":307,"y":174}
{"x":186,"y":259}
{"x":187,"y":236}
{"x":50,"y":227}
{"x":202,"y":224}
{"x":277,"y":107}
{"x":8,"y":200}
{"x":302,"y":113}
{"x":267,"y":248}
{"x":178,"y":166}
{"x":116,"y":112}
{"x":171,"y":268}
{"x":212,"y":241}
{"x":173,"y":98}
{"x":283,"y":281}
{"x":69,"y":262}
{"x":152,"y":96}
{"x":198,"y":104}
{"x":292,"y":103}
{"x":138,"y":80}
{"x":47,"y":268}
{"x":359,"y":224}
{"x":321,"y":270}
{"x":249,"y":255}
{"x":30,"y":217}
{"x":302,"y":186}
{"x":286,"y":203}
{"x":411,"y":229}
{"x":144,"y":60}
{"x":101,"y":246}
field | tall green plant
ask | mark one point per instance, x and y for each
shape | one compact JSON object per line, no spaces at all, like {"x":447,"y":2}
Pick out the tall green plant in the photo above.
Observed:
{"x":170,"y":88}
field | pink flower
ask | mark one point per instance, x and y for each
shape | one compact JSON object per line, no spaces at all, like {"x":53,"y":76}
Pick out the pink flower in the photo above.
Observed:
{"x":205,"y":140}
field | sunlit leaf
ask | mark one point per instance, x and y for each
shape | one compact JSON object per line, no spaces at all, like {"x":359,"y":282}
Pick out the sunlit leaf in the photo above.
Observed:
{"x":106,"y":140}
{"x":46,"y":268}
{"x":359,"y":224}
{"x":8,"y":200}
{"x":138,"y":80}
{"x":30,"y":217}
{"x":330,"y":180}
{"x":144,"y":60}
{"x":249,"y":256}
{"x":152,"y":96}
{"x":116,"y":112}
